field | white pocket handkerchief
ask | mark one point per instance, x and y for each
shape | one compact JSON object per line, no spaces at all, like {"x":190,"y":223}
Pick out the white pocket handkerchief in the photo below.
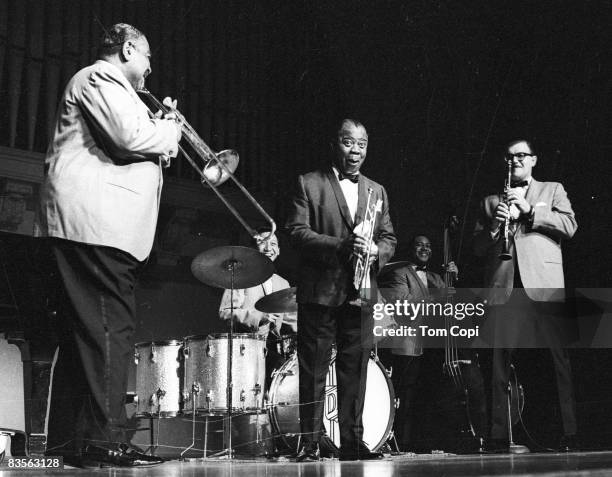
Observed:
{"x":541,"y":204}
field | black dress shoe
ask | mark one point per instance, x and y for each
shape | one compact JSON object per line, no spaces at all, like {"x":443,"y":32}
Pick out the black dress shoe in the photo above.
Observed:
{"x":327,"y":448}
{"x":124,"y":455}
{"x":309,"y":452}
{"x":363,"y":453}
{"x":568,"y":443}
{"x":495,"y":446}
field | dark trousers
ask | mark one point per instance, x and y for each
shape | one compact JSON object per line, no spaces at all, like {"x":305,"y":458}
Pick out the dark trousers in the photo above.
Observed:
{"x":529,"y":324}
{"x":406,"y":370}
{"x":318,"y":328}
{"x":502,"y":359}
{"x":95,"y":314}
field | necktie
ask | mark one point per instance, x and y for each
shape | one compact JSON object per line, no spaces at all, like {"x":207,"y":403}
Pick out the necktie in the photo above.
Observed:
{"x":354,"y":178}
{"x":519,"y":184}
{"x":420,"y":268}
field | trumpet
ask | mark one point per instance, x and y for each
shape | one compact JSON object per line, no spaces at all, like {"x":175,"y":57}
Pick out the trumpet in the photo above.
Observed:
{"x":505,"y":251}
{"x":218,"y":166}
{"x":362,"y":263}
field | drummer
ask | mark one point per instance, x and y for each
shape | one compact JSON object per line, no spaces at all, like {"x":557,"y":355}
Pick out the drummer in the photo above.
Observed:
{"x":249,"y":320}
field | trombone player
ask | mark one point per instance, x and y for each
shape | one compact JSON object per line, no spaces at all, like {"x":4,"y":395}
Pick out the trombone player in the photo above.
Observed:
{"x":98,"y":208}
{"x":327,"y":206}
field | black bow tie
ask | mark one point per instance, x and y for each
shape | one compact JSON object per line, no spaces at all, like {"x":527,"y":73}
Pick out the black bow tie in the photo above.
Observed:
{"x":420,"y":268}
{"x":519,"y":184}
{"x":354,"y":178}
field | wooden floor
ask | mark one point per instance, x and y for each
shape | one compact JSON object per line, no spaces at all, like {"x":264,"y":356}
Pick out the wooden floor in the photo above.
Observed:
{"x":578,"y":464}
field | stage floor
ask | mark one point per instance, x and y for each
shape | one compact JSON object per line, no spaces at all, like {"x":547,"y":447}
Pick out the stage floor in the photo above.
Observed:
{"x":578,"y":463}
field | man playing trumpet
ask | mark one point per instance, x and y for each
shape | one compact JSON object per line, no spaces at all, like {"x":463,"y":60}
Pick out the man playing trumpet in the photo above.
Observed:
{"x":327,"y":206}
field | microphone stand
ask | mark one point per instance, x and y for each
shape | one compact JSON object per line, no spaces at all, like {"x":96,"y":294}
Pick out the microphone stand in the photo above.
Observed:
{"x":512,"y":447}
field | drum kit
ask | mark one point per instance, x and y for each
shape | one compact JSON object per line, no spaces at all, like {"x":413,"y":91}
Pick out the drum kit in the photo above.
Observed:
{"x":225,"y":374}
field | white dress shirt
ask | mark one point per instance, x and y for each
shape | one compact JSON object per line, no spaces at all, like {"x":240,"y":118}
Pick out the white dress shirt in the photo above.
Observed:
{"x":351,"y":193}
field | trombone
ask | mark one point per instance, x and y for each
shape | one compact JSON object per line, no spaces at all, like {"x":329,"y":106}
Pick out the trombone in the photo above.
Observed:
{"x":218,"y":167}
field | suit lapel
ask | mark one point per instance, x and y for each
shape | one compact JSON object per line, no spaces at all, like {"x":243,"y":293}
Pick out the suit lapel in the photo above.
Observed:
{"x":418,"y":281}
{"x":344,"y":210}
{"x":533,"y":191}
{"x":362,"y":199}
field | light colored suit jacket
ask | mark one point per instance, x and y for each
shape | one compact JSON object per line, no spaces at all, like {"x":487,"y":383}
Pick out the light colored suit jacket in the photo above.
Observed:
{"x":319,"y":219}
{"x":399,"y":282}
{"x":535,"y":248}
{"x":102,"y":171}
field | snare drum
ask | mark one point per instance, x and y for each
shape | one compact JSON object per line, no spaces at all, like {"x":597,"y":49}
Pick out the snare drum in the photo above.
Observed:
{"x":378,"y":410}
{"x":159,"y":369}
{"x":205,"y":384}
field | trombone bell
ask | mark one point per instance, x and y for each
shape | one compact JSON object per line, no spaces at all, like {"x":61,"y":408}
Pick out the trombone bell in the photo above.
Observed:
{"x":215,"y":173}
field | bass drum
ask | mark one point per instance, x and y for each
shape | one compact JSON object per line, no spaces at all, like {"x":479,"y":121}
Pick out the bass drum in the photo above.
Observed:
{"x":378,"y":410}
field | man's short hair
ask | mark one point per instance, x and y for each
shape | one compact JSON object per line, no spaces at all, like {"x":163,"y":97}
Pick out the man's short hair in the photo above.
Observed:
{"x":114,"y":37}
{"x":414,"y":237}
{"x":519,"y":140}
{"x":339,"y":125}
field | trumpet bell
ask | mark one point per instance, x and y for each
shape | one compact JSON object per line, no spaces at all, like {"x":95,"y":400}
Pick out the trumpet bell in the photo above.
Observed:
{"x":215,"y":173}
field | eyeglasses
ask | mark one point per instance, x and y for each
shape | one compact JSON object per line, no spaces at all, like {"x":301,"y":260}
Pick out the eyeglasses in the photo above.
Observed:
{"x":519,"y":155}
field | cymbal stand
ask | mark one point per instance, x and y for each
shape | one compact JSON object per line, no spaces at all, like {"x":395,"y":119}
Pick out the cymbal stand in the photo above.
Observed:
{"x":231,"y":265}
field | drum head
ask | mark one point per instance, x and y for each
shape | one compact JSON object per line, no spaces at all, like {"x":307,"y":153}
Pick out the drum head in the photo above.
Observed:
{"x":378,"y":412}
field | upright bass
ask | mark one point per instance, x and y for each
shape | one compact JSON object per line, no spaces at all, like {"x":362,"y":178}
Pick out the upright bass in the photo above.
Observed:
{"x":463,"y":399}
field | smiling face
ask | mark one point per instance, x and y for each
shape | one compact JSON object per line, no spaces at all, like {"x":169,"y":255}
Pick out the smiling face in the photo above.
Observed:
{"x":269,"y":248}
{"x":351,"y":147}
{"x":421,"y":250}
{"x":523,"y":160}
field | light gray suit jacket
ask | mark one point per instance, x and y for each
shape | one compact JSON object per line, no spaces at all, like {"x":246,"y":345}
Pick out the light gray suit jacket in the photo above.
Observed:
{"x":536,"y":248}
{"x":103,"y":174}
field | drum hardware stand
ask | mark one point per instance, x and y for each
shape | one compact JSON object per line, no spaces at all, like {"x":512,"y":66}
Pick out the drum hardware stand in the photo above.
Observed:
{"x":257,"y":391}
{"x":391,"y":444}
{"x":209,"y":401}
{"x":160,"y":395}
{"x":195,"y":390}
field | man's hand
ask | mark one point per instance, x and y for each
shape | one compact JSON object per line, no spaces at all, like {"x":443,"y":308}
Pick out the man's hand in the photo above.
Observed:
{"x":171,"y":115}
{"x":452,"y":268}
{"x":519,"y":201}
{"x":357,"y":245}
{"x":502,"y":212}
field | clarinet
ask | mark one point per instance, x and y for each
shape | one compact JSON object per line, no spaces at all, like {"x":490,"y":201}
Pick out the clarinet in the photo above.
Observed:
{"x":505,"y":251}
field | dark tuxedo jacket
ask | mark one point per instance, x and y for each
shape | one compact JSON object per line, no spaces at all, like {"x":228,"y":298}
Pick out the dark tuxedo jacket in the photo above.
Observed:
{"x":535,"y":248}
{"x":318,"y":221}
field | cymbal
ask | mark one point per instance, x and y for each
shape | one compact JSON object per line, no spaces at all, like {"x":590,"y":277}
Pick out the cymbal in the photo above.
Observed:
{"x":282,"y":301}
{"x":214,"y":267}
